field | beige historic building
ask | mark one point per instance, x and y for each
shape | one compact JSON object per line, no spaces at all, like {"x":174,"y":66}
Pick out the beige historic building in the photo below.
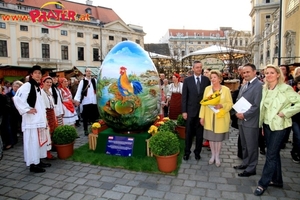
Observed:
{"x":84,"y":34}
{"x":267,"y":43}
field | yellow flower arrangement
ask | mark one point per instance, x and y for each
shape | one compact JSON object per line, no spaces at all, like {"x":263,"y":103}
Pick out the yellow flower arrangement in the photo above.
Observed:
{"x":212,"y":99}
{"x":153,"y":130}
{"x":96,"y":125}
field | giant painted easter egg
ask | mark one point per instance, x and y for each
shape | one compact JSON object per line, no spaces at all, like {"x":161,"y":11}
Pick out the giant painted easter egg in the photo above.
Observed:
{"x":128,"y":89}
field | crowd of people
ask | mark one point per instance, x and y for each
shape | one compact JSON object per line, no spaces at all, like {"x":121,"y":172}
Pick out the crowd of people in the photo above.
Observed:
{"x":264,"y":126}
{"x":37,"y":107}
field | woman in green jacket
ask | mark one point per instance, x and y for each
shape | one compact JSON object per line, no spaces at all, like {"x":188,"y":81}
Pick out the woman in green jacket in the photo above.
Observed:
{"x":276,"y":110}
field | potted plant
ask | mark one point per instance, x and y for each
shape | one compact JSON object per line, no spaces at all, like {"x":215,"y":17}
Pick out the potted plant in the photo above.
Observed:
{"x":95,"y":127}
{"x":63,"y":139}
{"x":180,"y":126}
{"x":165,"y":147}
{"x":103,"y":125}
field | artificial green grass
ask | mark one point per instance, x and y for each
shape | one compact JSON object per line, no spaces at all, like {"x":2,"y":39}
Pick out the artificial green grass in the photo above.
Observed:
{"x":141,"y":164}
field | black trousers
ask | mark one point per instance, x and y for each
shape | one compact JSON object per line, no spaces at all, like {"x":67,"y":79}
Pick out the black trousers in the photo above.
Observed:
{"x":193,"y":128}
{"x":89,"y":113}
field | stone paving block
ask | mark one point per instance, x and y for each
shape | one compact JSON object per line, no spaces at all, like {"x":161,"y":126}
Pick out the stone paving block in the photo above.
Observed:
{"x":5,"y":190}
{"x":15,"y":193}
{"x":198,"y":192}
{"x":163,"y":187}
{"x":59,"y":184}
{"x":11,"y":183}
{"x":76,"y":196}
{"x":129,"y":176}
{"x":113,"y":195}
{"x":50,"y":175}
{"x":80,"y":174}
{"x":192,"y":197}
{"x":93,"y":176}
{"x":214,"y":179}
{"x":248,"y":182}
{"x":19,"y":184}
{"x":138,"y":191}
{"x":189,"y":183}
{"x":232,"y":195}
{"x":144,"y":198}
{"x":164,"y":180}
{"x":213,"y":193}
{"x":61,"y":178}
{"x":80,"y":181}
{"x":174,"y":196}
{"x":180,"y":189}
{"x":94,"y":191}
{"x":107,"y":186}
{"x":43,"y":189}
{"x":71,"y":179}
{"x":54,"y":192}
{"x":80,"y":188}
{"x":48,"y":182}
{"x":31,"y":186}
{"x":40,"y":196}
{"x":184,"y":176}
{"x":69,"y":186}
{"x":105,"y":172}
{"x":244,"y":189}
{"x":190,"y":171}
{"x":154,"y":194}
{"x":276,"y":192}
{"x":116,"y":174}
{"x":140,"y":177}
{"x":93,"y":183}
{"x":34,"y":180}
{"x":76,"y":168}
{"x":121,"y":181}
{"x":122,"y":188}
{"x":95,"y":171}
{"x":129,"y":197}
{"x":148,"y":185}
{"x":65,"y":194}
{"x":226,"y":187}
{"x":214,"y":173}
{"x":109,"y":179}
{"x":133,"y":183}
{"x":28,"y":195}
{"x":293,"y":194}
{"x":177,"y":181}
{"x":88,"y":197}
{"x":208,"y":185}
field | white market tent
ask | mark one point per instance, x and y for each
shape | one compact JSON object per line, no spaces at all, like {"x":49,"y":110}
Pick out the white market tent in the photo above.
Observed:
{"x":156,"y":55}
{"x":220,"y":52}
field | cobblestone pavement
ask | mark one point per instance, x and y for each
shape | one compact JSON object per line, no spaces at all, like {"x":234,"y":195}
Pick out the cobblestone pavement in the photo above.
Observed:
{"x":195,"y":180}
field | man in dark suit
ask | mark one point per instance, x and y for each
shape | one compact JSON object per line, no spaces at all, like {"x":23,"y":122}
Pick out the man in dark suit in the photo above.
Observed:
{"x":248,"y":121}
{"x":192,"y":94}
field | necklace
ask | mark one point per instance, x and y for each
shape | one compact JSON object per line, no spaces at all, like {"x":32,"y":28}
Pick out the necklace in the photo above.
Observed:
{"x":272,"y":88}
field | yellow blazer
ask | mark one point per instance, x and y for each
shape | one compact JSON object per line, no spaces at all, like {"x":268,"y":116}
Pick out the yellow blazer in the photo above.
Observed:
{"x":284,"y":97}
{"x":221,"y":125}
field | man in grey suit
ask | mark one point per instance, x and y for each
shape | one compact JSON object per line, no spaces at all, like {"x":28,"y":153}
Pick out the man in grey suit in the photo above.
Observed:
{"x":248,"y":121}
{"x":192,"y":93}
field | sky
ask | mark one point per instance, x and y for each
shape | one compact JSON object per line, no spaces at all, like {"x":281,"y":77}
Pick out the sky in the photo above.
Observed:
{"x":157,"y":16}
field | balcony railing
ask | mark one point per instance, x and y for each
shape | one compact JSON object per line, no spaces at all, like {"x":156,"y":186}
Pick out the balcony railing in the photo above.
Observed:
{"x":43,"y":60}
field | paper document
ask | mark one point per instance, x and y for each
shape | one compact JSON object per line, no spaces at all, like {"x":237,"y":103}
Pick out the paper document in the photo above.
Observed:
{"x":213,"y":109}
{"x":242,"y":105}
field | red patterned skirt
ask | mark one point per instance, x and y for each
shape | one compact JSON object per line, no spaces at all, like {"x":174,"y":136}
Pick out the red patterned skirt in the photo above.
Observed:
{"x":175,"y":106}
{"x":51,"y":118}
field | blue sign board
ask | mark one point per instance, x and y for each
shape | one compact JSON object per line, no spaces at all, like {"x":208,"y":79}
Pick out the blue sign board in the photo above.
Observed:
{"x":119,"y":145}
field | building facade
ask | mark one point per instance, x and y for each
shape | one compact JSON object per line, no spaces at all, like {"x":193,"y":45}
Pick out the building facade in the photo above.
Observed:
{"x":64,"y":35}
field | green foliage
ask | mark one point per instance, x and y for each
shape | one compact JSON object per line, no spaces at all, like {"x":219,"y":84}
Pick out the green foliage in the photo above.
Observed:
{"x":180,"y":120}
{"x":139,"y":164}
{"x":164,"y":143}
{"x":64,"y":134}
{"x":167,"y":126}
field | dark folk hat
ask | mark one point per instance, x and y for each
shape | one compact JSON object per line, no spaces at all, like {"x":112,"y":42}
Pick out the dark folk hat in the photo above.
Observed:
{"x":35,"y":67}
{"x":53,"y":74}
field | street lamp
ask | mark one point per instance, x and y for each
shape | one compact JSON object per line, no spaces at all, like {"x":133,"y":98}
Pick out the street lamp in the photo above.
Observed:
{"x":101,"y":25}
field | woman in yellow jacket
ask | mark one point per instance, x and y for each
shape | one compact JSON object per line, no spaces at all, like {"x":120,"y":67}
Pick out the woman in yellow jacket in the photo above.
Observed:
{"x":216,"y":125}
{"x":279,"y":103}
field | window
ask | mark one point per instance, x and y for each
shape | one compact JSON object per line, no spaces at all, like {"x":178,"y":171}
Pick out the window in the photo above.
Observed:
{"x":24,"y":50}
{"x":95,"y":54}
{"x":45,"y":30}
{"x":79,"y":34}
{"x":267,"y":1}
{"x":124,"y":39}
{"x":2,"y":25}
{"x":137,"y":41}
{"x":80,"y":51}
{"x":111,"y":37}
{"x":88,"y":11}
{"x":95,"y":36}
{"x":3,"y":48}
{"x":64,"y":32}
{"x":246,"y":42}
{"x":23,"y":28}
{"x":64,"y":53}
{"x":241,"y":42}
{"x":21,"y":0}
{"x":45,"y":51}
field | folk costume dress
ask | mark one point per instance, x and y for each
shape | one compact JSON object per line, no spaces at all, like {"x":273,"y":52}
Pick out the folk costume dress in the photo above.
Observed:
{"x":175,"y":101}
{"x":70,"y":115}
{"x":58,"y":105}
{"x":33,"y":125}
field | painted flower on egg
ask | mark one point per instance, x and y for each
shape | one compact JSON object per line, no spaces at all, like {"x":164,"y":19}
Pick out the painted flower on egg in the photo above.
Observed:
{"x":128,"y":89}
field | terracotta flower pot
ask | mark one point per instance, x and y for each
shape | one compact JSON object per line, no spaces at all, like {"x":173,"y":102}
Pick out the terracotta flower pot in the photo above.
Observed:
{"x":65,"y":150}
{"x":167,"y":163}
{"x":102,"y":128}
{"x":181,"y":131}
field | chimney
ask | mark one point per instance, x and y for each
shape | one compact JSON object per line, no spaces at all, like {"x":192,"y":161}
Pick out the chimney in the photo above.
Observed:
{"x":89,"y":2}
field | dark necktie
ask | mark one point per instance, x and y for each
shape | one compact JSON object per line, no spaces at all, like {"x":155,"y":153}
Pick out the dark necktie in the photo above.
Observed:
{"x":198,"y":85}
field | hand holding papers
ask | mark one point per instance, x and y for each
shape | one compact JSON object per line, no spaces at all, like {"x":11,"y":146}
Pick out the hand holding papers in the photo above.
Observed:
{"x":242,"y":105}
{"x":213,"y":108}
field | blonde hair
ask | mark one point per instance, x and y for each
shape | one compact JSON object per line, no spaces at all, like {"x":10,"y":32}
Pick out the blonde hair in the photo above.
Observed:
{"x":216,"y":72}
{"x":295,"y":71}
{"x":18,"y":83}
{"x":280,"y":79}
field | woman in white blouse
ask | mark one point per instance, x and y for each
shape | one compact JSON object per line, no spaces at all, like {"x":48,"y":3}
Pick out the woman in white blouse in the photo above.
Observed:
{"x":174,"y":97}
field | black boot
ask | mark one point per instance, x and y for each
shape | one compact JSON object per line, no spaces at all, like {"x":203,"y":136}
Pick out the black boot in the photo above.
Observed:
{"x":36,"y":169}
{"x":43,"y":165}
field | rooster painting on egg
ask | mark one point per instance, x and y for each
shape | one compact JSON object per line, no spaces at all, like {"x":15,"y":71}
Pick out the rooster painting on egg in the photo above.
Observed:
{"x":128,"y":89}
